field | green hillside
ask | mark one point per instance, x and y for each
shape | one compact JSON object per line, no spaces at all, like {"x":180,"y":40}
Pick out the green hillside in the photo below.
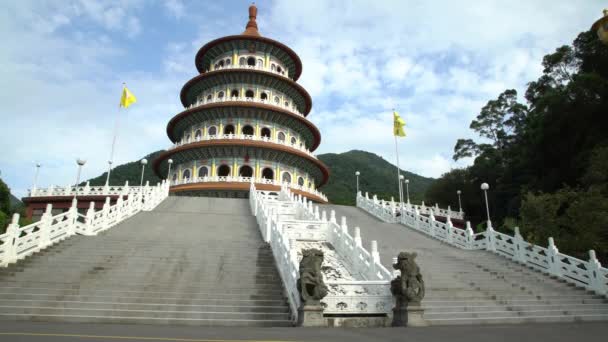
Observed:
{"x":378,"y":176}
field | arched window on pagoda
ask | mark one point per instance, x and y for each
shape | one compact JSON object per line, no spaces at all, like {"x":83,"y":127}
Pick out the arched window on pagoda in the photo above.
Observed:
{"x":273,"y":67}
{"x":229,"y":129}
{"x":242,"y":61}
{"x":220,"y":95}
{"x":287,"y":104}
{"x":249,"y":94}
{"x":247,"y":130}
{"x":294,"y":140}
{"x":251,"y":61}
{"x":286,"y":177}
{"x":228,"y":61}
{"x":281,"y":137}
{"x":174,"y":177}
{"x":212,"y":130}
{"x":267,"y":173}
{"x":197,"y":135}
{"x":209,"y":98}
{"x":264,"y":96}
{"x":203,"y":171}
{"x":260,"y":63}
{"x":265,"y":132}
{"x":234,"y":93}
{"x":187,"y":139}
{"x":221,"y":64}
{"x":277,"y":100}
{"x":301,"y":181}
{"x":223,"y":171}
{"x":186,"y":174}
{"x":246,"y":171}
{"x":279,"y":70}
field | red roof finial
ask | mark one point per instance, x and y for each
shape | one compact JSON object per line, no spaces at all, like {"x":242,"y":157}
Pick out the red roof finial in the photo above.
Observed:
{"x":252,"y":27}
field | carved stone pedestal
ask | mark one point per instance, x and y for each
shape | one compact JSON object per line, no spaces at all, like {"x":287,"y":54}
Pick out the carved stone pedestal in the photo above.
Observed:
{"x":311,"y":316}
{"x":408,"y":316}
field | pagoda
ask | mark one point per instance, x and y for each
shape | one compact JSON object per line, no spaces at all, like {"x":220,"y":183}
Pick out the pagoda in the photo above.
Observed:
{"x":245,"y":120}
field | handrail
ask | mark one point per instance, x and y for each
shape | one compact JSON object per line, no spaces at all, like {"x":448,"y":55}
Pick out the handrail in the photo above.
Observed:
{"x":244,"y":99}
{"x":587,"y":274}
{"x":20,"y":242}
{"x":86,"y":190}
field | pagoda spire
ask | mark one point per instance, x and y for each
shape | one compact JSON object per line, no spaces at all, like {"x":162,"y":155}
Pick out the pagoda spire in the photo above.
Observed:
{"x":252,"y":26}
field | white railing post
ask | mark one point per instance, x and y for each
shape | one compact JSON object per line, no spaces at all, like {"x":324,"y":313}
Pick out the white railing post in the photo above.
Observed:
{"x":357,"y":237}
{"x":470,"y":235}
{"x":45,"y":226}
{"x":90,"y":220}
{"x":343,"y":224}
{"x":432,"y":224}
{"x":13,"y":235}
{"x":332,"y":216}
{"x":555,"y":267}
{"x":72,"y":217}
{"x":518,"y":246}
{"x":597,"y":281}
{"x":490,"y":238}
{"x":87,"y":189}
{"x":106,"y":213}
{"x":449,"y":229}
{"x":416,"y":219}
{"x":374,"y":252}
{"x":125,"y":189}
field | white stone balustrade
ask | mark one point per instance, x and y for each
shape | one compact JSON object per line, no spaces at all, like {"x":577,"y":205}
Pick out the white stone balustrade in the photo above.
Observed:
{"x":87,"y":190}
{"x":209,"y":179}
{"x":285,"y":218}
{"x":251,"y":67}
{"x":289,"y":108}
{"x":300,"y":147}
{"x":586,"y":274}
{"x":20,"y":242}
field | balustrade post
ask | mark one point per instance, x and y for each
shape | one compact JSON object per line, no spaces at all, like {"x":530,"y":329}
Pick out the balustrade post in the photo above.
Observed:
{"x":106,"y":213}
{"x":449,"y":230}
{"x":470,"y":235}
{"x":422,"y":208}
{"x":343,"y":224}
{"x":490,"y":238}
{"x":73,"y":217}
{"x":268,"y":226}
{"x":449,"y":211}
{"x":367,"y":195}
{"x":87,"y":188}
{"x":316,"y":212}
{"x":518,"y":246}
{"x":357,"y":237}
{"x":597,"y":281}
{"x":119,"y":208}
{"x":125,"y":190}
{"x":13,"y":235}
{"x":332,"y":216}
{"x":324,"y":216}
{"x":432,"y":224}
{"x":90,"y":220}
{"x":395,"y":271}
{"x":555,"y":267}
{"x":417,"y":219}
{"x":45,"y":226}
{"x":374,"y":252}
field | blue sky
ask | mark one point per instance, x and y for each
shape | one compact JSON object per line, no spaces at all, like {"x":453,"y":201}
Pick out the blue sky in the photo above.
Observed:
{"x":438,"y":62}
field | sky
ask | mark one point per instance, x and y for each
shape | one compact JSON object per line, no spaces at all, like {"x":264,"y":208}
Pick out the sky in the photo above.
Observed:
{"x":63,"y":63}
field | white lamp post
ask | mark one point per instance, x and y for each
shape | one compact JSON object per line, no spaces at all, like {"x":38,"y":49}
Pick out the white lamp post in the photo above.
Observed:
{"x":143,"y":166}
{"x":401,"y":178}
{"x":458,"y":192}
{"x":407,"y":190}
{"x":485,"y":187}
{"x":36,"y":177}
{"x":80,"y":163}
{"x":357,"y":174}
{"x":170,"y":161}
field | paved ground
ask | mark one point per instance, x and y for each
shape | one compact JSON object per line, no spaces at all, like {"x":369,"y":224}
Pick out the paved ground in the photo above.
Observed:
{"x":66,"y":332}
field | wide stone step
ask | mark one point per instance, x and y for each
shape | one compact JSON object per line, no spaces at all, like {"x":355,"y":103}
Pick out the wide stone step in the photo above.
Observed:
{"x":502,"y":307}
{"x":513,"y":313}
{"x":244,"y":307}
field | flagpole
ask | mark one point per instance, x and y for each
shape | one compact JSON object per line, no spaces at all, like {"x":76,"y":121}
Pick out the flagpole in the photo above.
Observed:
{"x":398,"y":168}
{"x":114,"y":141}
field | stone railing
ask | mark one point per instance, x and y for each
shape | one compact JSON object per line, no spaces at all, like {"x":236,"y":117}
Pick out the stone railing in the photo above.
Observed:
{"x":250,"y":67}
{"x":20,"y":242}
{"x":209,"y":179}
{"x":387,"y":210}
{"x":86,"y":190}
{"x":586,"y":274}
{"x":285,"y":220}
{"x":289,"y":108}
{"x":301,"y":147}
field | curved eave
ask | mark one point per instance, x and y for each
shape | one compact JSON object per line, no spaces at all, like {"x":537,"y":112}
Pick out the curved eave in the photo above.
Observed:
{"x":238,"y":186}
{"x":599,"y":22}
{"x":233,"y":40}
{"x":241,"y":143}
{"x":217,"y":73}
{"x":173,"y":122}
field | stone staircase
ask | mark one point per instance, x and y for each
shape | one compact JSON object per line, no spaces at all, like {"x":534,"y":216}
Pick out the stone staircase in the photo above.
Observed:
{"x":191,"y":261}
{"x":477,"y":287}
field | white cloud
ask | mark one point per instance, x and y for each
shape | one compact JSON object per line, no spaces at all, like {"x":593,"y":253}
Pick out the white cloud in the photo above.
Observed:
{"x":176,"y":8}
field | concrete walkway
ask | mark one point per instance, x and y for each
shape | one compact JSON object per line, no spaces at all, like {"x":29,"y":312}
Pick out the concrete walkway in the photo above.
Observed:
{"x":64,"y":332}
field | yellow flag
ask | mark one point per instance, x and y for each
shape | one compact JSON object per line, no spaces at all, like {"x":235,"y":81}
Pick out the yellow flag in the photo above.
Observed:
{"x":398,"y":124}
{"x":127,"y":98}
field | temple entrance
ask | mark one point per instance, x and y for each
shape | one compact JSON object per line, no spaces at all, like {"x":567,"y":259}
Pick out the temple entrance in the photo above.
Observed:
{"x":223,"y":171}
{"x":246,"y":171}
{"x":267,"y":173}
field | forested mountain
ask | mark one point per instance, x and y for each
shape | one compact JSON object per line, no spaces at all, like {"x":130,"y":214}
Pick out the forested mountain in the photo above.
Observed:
{"x":545,"y":158}
{"x":377,"y":176}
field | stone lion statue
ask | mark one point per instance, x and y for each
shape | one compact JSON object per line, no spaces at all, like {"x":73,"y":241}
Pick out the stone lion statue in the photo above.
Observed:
{"x":409,"y":286}
{"x":310,"y":284}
